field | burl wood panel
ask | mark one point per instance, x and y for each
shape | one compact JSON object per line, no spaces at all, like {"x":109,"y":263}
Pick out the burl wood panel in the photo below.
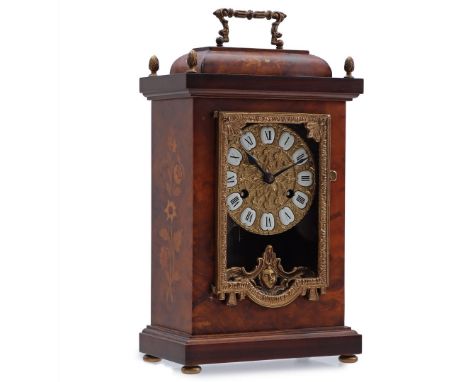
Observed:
{"x":213,"y":316}
{"x":172,"y":223}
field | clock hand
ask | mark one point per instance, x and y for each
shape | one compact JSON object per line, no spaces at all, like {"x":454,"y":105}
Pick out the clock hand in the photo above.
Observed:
{"x":254,"y":161}
{"x":267,"y":177}
{"x":288,"y":167}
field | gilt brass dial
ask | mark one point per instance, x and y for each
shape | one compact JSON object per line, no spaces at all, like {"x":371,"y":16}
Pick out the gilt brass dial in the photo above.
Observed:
{"x":270,"y":178}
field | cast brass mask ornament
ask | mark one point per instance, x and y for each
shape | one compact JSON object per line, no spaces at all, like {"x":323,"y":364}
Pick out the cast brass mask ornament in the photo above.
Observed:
{"x":268,"y":274}
{"x":255,"y":173}
{"x":268,"y":278}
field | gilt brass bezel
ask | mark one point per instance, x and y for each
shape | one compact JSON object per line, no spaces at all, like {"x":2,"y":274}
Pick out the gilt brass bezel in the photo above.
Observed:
{"x":318,"y":129}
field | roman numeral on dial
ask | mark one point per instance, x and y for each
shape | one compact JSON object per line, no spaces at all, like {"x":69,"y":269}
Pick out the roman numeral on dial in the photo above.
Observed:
{"x":286,"y":141}
{"x":299,"y":156}
{"x":234,"y":201}
{"x":304,"y":178}
{"x":234,"y":156}
{"x":267,"y":222}
{"x":300,"y":199}
{"x":248,"y":141}
{"x":267,"y":135}
{"x":248,"y":216}
{"x":286,"y":215}
{"x":231,"y":179}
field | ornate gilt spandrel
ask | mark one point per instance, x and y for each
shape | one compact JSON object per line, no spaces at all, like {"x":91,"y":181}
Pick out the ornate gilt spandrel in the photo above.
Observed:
{"x":268,"y":284}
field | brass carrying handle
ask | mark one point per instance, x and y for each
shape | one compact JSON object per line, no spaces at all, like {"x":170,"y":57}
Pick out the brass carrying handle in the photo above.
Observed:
{"x":229,"y":12}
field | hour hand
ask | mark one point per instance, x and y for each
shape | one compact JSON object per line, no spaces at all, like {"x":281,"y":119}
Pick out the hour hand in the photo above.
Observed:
{"x":267,"y":177}
{"x":254,"y":161}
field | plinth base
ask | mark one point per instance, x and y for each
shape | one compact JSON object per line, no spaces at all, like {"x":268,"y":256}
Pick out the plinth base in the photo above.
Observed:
{"x":188,"y":349}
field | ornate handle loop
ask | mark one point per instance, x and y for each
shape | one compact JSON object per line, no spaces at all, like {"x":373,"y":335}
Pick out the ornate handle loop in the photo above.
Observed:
{"x":229,"y":12}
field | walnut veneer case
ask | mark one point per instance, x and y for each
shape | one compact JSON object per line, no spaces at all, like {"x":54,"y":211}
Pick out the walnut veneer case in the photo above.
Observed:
{"x":248,"y":192}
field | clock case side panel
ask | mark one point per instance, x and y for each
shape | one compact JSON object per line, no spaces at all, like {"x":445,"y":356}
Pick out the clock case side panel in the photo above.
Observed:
{"x":211,"y":315}
{"x":172,"y":209}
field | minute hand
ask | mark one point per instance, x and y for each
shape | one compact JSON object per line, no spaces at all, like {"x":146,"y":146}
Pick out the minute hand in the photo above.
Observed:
{"x":288,"y":167}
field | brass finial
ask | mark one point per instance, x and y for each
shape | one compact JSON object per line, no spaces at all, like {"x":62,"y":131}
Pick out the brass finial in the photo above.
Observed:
{"x":192,"y":61}
{"x":153,"y":65}
{"x":349,"y":67}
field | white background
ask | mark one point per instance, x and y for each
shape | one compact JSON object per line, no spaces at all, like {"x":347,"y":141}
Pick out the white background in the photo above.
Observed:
{"x":75,"y":183}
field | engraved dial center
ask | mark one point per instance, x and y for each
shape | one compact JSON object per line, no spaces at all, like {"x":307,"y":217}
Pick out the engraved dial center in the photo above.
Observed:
{"x":270,"y":178}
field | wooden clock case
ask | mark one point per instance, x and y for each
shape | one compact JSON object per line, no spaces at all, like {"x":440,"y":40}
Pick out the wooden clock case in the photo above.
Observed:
{"x":189,"y":324}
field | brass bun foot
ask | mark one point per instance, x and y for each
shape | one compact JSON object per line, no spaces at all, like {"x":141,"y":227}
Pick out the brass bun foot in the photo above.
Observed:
{"x":150,"y":358}
{"x":190,"y":369}
{"x":348,"y":358}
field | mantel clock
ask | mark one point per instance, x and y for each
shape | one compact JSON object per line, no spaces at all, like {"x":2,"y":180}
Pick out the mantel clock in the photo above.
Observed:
{"x":248,"y":182}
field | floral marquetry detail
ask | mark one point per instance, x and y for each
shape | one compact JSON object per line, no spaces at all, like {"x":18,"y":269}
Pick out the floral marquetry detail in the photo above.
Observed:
{"x":170,"y":234}
{"x":178,"y":173}
{"x":170,"y":211}
{"x":164,"y":257}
